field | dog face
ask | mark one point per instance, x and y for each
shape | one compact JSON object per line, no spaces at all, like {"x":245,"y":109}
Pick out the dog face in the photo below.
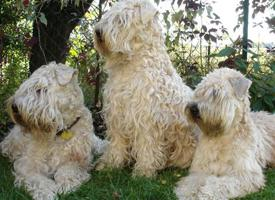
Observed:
{"x":126,"y":27}
{"x":42,"y":100}
{"x":220,"y":101}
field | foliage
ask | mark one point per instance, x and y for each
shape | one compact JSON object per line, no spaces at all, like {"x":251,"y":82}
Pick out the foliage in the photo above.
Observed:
{"x":258,"y":7}
{"x":14,"y":46}
{"x":271,"y":20}
{"x":190,"y":37}
{"x":260,"y":69}
{"x":83,"y":56}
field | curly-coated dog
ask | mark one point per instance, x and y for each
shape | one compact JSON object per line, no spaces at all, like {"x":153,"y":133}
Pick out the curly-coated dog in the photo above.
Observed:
{"x":236,"y":144}
{"x":144,"y":96}
{"x":53,"y":141}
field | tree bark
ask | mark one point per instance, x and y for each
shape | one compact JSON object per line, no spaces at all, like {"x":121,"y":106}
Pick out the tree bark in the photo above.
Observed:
{"x":98,"y":71}
{"x":52,"y":39}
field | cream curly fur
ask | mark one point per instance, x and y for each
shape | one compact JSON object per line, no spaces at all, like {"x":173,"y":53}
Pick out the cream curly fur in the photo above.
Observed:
{"x":144,"y":96}
{"x":44,"y":163}
{"x":236,"y":143}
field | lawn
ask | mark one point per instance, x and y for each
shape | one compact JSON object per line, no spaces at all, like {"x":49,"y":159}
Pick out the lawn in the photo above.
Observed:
{"x":118,"y":184}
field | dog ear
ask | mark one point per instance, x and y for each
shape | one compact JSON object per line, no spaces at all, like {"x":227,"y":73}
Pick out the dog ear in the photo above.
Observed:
{"x":147,"y":12}
{"x":240,"y":86}
{"x":64,"y":74}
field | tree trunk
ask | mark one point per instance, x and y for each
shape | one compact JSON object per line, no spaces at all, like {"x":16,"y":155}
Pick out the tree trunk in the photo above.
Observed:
{"x":52,"y":38}
{"x":98,"y":71}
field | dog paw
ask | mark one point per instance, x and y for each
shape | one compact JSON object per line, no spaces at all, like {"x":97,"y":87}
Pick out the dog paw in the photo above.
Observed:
{"x":39,"y":186}
{"x":146,"y":173}
{"x":48,"y":193}
{"x":189,"y":187}
{"x":71,"y":182}
{"x":192,"y":196}
{"x":100,"y":166}
{"x":45,"y":196}
{"x":184,"y":192}
{"x":205,"y":196}
{"x":207,"y":193}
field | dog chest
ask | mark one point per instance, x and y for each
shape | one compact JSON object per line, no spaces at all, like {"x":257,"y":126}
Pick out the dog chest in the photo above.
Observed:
{"x":220,"y":156}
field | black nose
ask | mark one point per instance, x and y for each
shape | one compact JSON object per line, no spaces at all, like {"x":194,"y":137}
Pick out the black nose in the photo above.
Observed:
{"x":194,"y":110}
{"x":98,"y":33}
{"x":14,"y":108}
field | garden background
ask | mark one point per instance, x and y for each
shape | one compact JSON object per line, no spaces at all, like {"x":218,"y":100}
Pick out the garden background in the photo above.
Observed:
{"x":35,"y":32}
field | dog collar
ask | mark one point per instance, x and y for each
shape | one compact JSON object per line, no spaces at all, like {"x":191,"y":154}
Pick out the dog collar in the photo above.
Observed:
{"x":66,"y":134}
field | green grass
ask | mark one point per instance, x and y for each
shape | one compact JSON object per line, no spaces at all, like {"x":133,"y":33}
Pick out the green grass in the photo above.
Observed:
{"x":119,"y":185}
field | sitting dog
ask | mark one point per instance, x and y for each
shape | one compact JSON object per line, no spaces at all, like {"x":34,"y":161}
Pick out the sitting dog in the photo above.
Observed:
{"x":52,"y":142}
{"x":236,"y":144}
{"x":144,"y":94}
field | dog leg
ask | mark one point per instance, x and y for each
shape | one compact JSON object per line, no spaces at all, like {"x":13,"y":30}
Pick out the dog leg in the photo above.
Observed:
{"x":183,"y":146}
{"x":116,"y":154}
{"x":149,"y":152}
{"x":27,"y":174}
{"x":227,"y":187}
{"x":70,"y":176}
{"x":188,"y":187}
{"x":13,"y":145}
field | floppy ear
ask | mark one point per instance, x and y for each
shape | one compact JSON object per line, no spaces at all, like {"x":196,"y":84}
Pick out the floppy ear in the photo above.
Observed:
{"x":147,"y":12}
{"x":240,"y":86}
{"x":64,"y":74}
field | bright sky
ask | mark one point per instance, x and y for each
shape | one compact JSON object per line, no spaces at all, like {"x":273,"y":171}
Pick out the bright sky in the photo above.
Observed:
{"x":226,"y":10}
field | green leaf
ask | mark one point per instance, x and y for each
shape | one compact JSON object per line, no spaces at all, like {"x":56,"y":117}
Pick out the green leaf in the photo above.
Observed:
{"x":241,"y":64}
{"x":157,"y":2}
{"x":212,"y":30}
{"x":176,"y":17}
{"x":256,"y":66}
{"x":257,"y":105}
{"x":255,"y":55}
{"x":43,"y":19}
{"x":204,"y":28}
{"x":213,"y":55}
{"x":268,"y":101}
{"x":272,"y":66}
{"x":227,"y":51}
{"x":73,"y":52}
{"x":206,"y":37}
{"x":76,"y":2}
{"x":213,"y":38}
{"x":209,"y":10}
{"x":179,"y":2}
{"x":165,"y":17}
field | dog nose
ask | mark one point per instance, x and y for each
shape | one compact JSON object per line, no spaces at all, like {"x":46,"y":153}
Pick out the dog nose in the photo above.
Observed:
{"x":194,"y":110}
{"x":98,"y":33}
{"x":14,"y":108}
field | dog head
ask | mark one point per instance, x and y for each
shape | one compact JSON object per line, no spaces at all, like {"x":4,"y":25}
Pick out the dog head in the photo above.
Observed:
{"x":42,"y":101}
{"x":127,"y":27}
{"x":220,"y":101}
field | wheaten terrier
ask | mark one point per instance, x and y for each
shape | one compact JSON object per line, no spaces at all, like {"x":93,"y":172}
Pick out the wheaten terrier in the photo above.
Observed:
{"x":52,"y":143}
{"x":236,"y":143}
{"x":144,"y":95}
